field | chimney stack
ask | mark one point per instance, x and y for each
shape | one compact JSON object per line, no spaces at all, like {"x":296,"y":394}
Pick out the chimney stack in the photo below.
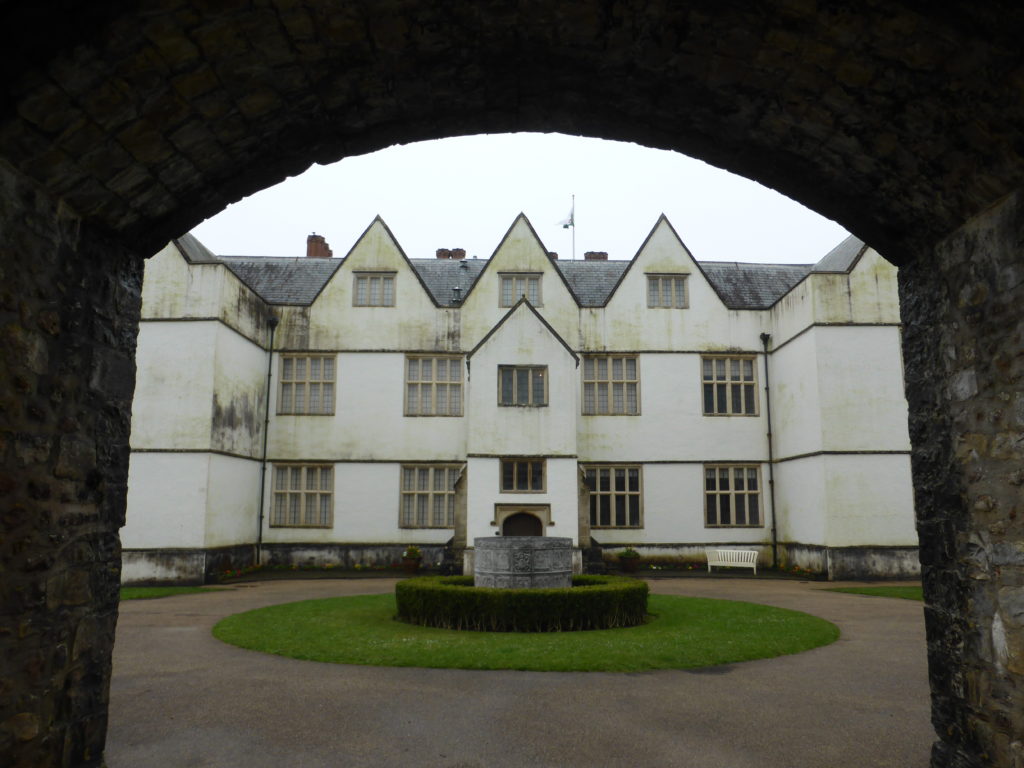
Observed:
{"x":553,"y":255}
{"x":595,"y":256}
{"x":458,"y":253}
{"x":317,"y":248}
{"x":444,"y":253}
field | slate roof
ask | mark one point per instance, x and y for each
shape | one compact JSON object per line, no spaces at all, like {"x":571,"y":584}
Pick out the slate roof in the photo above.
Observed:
{"x":299,"y":280}
{"x":283,"y":279}
{"x":842,"y":257}
{"x":752,"y":286}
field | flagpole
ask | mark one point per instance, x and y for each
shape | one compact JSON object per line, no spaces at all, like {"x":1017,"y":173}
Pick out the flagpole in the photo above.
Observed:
{"x":573,"y":214}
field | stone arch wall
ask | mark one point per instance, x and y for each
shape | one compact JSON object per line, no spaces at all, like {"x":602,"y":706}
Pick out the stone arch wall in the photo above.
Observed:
{"x":124,"y":123}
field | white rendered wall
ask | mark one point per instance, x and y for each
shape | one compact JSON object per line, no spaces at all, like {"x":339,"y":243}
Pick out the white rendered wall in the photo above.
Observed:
{"x":796,"y":401}
{"x":860,"y":381}
{"x":167,"y":501}
{"x":801,"y":500}
{"x":484,"y":494}
{"x":870,"y":501}
{"x":233,"y":490}
{"x":239,"y":395}
{"x":672,"y":425}
{"x":368,"y":422}
{"x":174,"y":385}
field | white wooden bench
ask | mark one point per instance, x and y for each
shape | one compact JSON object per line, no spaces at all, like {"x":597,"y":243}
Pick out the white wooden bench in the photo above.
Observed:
{"x":740,"y":558}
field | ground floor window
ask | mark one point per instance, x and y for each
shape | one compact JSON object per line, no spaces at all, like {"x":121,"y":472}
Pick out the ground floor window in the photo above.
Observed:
{"x":428,"y":495}
{"x":302,"y":496}
{"x":615,"y":496}
{"x":732,"y":495}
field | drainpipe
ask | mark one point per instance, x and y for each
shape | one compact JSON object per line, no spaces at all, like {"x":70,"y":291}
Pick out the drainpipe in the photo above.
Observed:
{"x":272,"y":323}
{"x":765,"y":338}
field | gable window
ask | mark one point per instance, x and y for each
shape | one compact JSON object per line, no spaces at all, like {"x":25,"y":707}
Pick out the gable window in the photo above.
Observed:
{"x":732,"y":496}
{"x":516,"y":285}
{"x":374,"y":289}
{"x":668,"y":291}
{"x":522,"y":385}
{"x":302,"y":496}
{"x":615,"y":496}
{"x":428,"y":495}
{"x":522,"y":475}
{"x":307,"y":385}
{"x":611,"y":385}
{"x":729,"y":386}
{"x":433,"y":386}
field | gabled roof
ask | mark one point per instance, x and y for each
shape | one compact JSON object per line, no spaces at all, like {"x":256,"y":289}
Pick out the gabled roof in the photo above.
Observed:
{"x":194,"y":251}
{"x":283,"y":279}
{"x":515,"y":308}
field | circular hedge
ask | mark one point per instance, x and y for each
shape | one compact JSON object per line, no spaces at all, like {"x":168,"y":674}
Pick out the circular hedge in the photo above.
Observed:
{"x":452,"y":602}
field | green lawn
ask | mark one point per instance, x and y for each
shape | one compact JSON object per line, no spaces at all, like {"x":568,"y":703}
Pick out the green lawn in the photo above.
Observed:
{"x":907,"y":593}
{"x":151,"y":593}
{"x":683,"y":633}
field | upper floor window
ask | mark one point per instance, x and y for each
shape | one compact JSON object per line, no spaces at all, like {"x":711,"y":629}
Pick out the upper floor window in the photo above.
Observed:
{"x":611,"y":385}
{"x":667,"y":291}
{"x":522,"y":385}
{"x":374,"y":289}
{"x":729,"y":386}
{"x":302,"y":496}
{"x":433,"y":386}
{"x":307,"y":384}
{"x":732,"y":495}
{"x":515,"y":285}
{"x":522,"y":475}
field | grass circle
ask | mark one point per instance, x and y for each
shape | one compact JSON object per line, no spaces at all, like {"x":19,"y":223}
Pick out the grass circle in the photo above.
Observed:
{"x":683,"y":633}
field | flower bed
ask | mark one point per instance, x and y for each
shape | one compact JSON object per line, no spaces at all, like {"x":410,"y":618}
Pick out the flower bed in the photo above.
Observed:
{"x":452,"y":602}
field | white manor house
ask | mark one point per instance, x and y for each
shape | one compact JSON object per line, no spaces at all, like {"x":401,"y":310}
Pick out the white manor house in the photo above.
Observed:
{"x":321,"y":410}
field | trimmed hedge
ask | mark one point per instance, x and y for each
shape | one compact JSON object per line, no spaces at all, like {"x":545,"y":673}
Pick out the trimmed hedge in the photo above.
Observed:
{"x":452,"y":602}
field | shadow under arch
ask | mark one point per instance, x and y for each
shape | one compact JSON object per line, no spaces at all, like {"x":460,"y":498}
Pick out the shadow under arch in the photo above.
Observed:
{"x":125,"y":124}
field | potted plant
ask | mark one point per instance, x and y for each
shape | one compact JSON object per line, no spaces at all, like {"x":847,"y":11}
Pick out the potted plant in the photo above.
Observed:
{"x":411,"y":559}
{"x":628,"y":559}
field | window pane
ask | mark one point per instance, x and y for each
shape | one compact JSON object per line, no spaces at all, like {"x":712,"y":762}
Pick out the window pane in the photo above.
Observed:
{"x":752,"y":479}
{"x":286,"y":397}
{"x":708,"y":373}
{"x":325,"y":509}
{"x":605,"y":479}
{"x":422,"y":479}
{"x":720,"y":368}
{"x":537,"y":476}
{"x":314,"y":398}
{"x":507,"y":380}
{"x":328,"y":369}
{"x":754,"y":509}
{"x":711,"y":508}
{"x":680,"y":291}
{"x":720,"y":398}
{"x":438,"y":510}
{"x":534,"y":291}
{"x":408,"y":478}
{"x":300,"y":368}
{"x":741,"y":509}
{"x":361,"y":290}
{"x":506,"y":291}
{"x":588,"y":398}
{"x":748,"y":399}
{"x":602,"y":398}
{"x":652,"y":292}
{"x":522,"y":386}
{"x":617,"y":368}
{"x":287,"y":369}
{"x":634,"y":510}
{"x":407,"y":508}
{"x":442,"y":370}
{"x":631,"y":368}
{"x":538,"y":387}
{"x":508,"y":474}
{"x":296,"y":479}
{"x":454,"y":370}
{"x":618,"y":398}
{"x":421,"y":509}
{"x":634,"y":480}
{"x":748,"y":370}
{"x":522,"y":476}
{"x":439,"y":478}
{"x":604,"y":515}
{"x":620,"y":480}
{"x":724,"y":509}
{"x":620,"y":510}
{"x":588,"y":368}
{"x":300,"y":398}
{"x":456,"y":400}
{"x":442,"y":399}
{"x":328,"y":403}
{"x":293,"y":511}
{"x":325,"y":478}
{"x":631,"y":401}
{"x":426,"y":369}
{"x":709,"y":398}
{"x":737,"y":398}
{"x":389,"y":291}
{"x":602,"y":368}
{"x":281,"y":479}
{"x":414,"y":369}
{"x":412,"y":399}
{"x":312,"y":479}
{"x":374,"y":291}
{"x":314,"y":369}
{"x":709,"y":480}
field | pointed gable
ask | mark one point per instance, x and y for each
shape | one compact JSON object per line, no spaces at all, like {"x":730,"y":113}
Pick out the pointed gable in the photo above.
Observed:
{"x":523,"y":305}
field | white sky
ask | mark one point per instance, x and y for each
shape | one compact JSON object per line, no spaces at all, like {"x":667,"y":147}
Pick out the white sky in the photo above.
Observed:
{"x":465,"y":193}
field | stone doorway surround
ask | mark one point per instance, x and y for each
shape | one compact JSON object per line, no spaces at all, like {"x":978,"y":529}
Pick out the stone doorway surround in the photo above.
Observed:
{"x":503,"y":513}
{"x":123,"y":124}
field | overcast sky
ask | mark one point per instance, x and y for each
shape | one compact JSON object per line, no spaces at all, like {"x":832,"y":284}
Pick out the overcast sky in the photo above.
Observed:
{"x":465,"y":193}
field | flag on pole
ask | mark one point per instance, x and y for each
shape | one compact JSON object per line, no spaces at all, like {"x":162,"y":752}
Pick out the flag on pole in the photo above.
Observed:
{"x":571,"y":220}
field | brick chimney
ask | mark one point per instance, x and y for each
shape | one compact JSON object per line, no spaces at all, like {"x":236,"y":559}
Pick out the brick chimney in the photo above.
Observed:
{"x":553,"y":255}
{"x":458,"y":253}
{"x":444,"y":253}
{"x":595,"y":256}
{"x":317,"y":248}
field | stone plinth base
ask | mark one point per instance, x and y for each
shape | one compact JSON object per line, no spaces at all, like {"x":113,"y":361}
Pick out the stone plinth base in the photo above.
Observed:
{"x":523,"y":562}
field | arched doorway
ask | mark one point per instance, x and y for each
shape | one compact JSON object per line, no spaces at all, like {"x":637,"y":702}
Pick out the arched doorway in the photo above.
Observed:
{"x":522,"y":524}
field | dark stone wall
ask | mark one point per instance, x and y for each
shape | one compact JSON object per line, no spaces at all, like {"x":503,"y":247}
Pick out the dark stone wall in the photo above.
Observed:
{"x":69,"y":305}
{"x":964,"y":356}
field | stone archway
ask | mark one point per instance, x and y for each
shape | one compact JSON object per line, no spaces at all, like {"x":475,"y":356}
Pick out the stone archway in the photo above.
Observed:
{"x":124,"y":123}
